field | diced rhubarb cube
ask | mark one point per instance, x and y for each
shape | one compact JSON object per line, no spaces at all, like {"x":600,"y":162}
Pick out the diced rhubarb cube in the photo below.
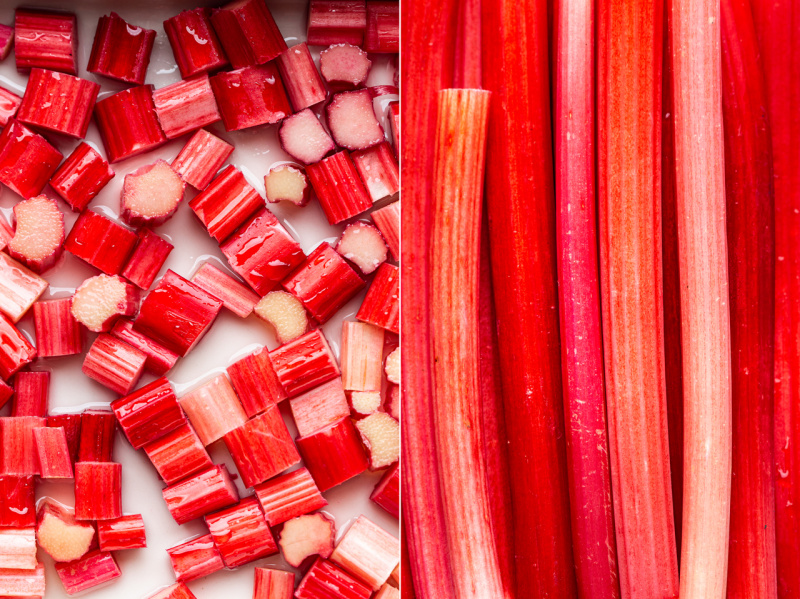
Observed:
{"x":18,"y":548}
{"x":241,"y":533}
{"x":60,"y":534}
{"x":27,"y":160}
{"x":334,"y":454}
{"x":381,"y":306}
{"x":392,"y":366}
{"x":200,"y":494}
{"x":251,"y":96}
{"x":387,"y":492}
{"x":186,"y":106}
{"x":15,"y":349}
{"x":326,"y":580}
{"x":304,"y":536}
{"x":101,"y":300}
{"x":46,"y":39}
{"x":383,"y":26}
{"x":304,"y":138}
{"x":18,"y":508}
{"x":273,"y":584}
{"x":320,"y":407}
{"x":364,"y":403}
{"x":262,"y":252}
{"x":39,"y":237}
{"x":159,"y":359}
{"x":31,"y":393}
{"x":98,"y":490}
{"x":147,"y":259}
{"x":255,"y":382}
{"x":288,"y":496}
{"x":248,"y":32}
{"x":9,"y":104}
{"x":363,"y":245}
{"x":378,"y":170}
{"x":300,"y":77}
{"x":151,"y":194}
{"x":52,"y":452}
{"x":177,"y":313}
{"x":213,"y":409}
{"x":175,"y":591}
{"x":19,"y":288}
{"x":226,"y":203}
{"x":81,"y":177}
{"x":341,"y":193}
{"x":72,"y":424}
{"x":58,"y":102}
{"x":286,"y":183}
{"x":336,"y":22}
{"x":394,"y":116}
{"x":6,"y":41}
{"x":304,"y":363}
{"x":128,"y":123}
{"x":195,"y":558}
{"x":120,"y":50}
{"x":16,"y":584}
{"x":98,"y":428}
{"x":114,"y":364}
{"x":123,"y":533}
{"x":234,"y":295}
{"x":194,"y":42}
{"x":361,"y":356}
{"x":368,"y":551}
{"x":380,"y":433}
{"x":201,"y":158}
{"x":101,"y":242}
{"x":94,"y":569}
{"x":344,"y":66}
{"x":178,"y":454}
{"x":324,"y":283}
{"x":149,"y":413}
{"x":285,"y":313}
{"x":387,"y":219}
{"x":352,"y":120}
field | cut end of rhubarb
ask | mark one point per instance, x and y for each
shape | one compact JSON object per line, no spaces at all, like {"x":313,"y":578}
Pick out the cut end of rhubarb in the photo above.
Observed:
{"x":304,"y":137}
{"x":381,"y":434}
{"x":308,"y":535}
{"x":151,"y":194}
{"x":393,"y":366}
{"x":344,"y":66}
{"x":363,"y":245}
{"x":286,"y":183}
{"x":352,"y":120}
{"x":39,"y":237}
{"x":285,"y":313}
{"x":365,"y":402}
{"x":99,"y":301}
{"x":60,"y":534}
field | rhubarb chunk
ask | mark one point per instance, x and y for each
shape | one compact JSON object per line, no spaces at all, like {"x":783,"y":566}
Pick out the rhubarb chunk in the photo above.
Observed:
{"x":378,"y":170}
{"x":393,"y":366}
{"x":114,"y":364}
{"x":128,"y":123}
{"x":72,"y":424}
{"x":341,"y":193}
{"x":195,"y":558}
{"x":301,"y":78}
{"x":95,"y":569}
{"x":194,"y":43}
{"x":241,"y":533}
{"x":226,"y":203}
{"x":381,"y":436}
{"x":234,"y":295}
{"x":98,"y":490}
{"x":58,"y":102}
{"x":364,"y":403}
{"x":60,"y":535}
{"x":81,"y":177}
{"x":18,"y":507}
{"x":289,"y":496}
{"x":176,"y":591}
{"x":147,"y":259}
{"x":333,"y":455}
{"x":361,"y":356}
{"x":149,"y":414}
{"x":304,"y":363}
{"x":383,"y":26}
{"x":151,"y":194}
{"x":326,"y":579}
{"x":273,"y":584}
{"x":352,"y":120}
{"x":368,"y":551}
{"x":6,"y":41}
{"x":31,"y":393}
{"x":23,"y":583}
{"x":200,"y":494}
{"x":186,"y":106}
{"x":39,"y":237}
{"x":286,"y":183}
{"x":120,"y":50}
{"x":319,"y":407}
{"x":387,"y":492}
{"x":101,"y":300}
{"x":201,"y":158}
{"x":254,"y":379}
{"x":101,"y":242}
{"x":336,"y":22}
{"x":123,"y":533}
{"x":178,"y":454}
{"x":46,"y":39}
{"x":387,"y":219}
{"x":248,"y":32}
{"x":52,"y":452}
{"x":393,"y":399}
{"x":19,"y":288}
{"x":98,"y":428}
{"x":344,"y":66}
{"x":18,"y":549}
{"x":15,"y":350}
{"x":394,"y":114}
{"x":381,"y":306}
{"x":305,"y":536}
{"x":27,"y":160}
{"x":159,"y":359}
{"x":213,"y":409}
{"x":285,"y":313}
{"x":251,"y":96}
{"x":303,"y":137}
{"x":9,"y":104}
{"x":363,"y":245}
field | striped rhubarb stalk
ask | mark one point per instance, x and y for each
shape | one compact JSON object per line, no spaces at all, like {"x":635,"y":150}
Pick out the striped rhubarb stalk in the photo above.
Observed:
{"x":381,"y":306}
{"x":23,"y":583}
{"x":81,"y":176}
{"x":234,"y":295}
{"x":195,"y":558}
{"x":185,"y":106}
{"x":57,"y":102}
{"x":94,"y":569}
{"x":369,"y":552}
{"x":128,"y":123}
{"x":304,"y":363}
{"x":72,"y":424}
{"x":52,"y":452}
{"x":101,"y":242}
{"x":333,"y":454}
{"x":31,"y":390}
{"x":273,"y":584}
{"x":15,"y":349}
{"x":19,"y":288}
{"x":149,"y":413}
{"x":194,"y":43}
{"x":200,"y":159}
{"x":18,"y":508}
{"x":255,"y":382}
{"x":27,"y":160}
{"x":200,"y":494}
{"x":387,"y":219}
{"x":178,"y":454}
{"x":383,"y":26}
{"x":289,"y":496}
{"x":46,"y":39}
{"x":339,"y":189}
{"x":361,"y":356}
{"x":387,"y":492}
{"x":248,"y":32}
{"x":19,"y":457}
{"x":114,"y":364}
{"x":120,"y":50}
{"x":146,"y":261}
{"x":319,"y":407}
{"x":123,"y":533}
{"x":159,"y":359}
{"x":241,"y":533}
{"x":18,"y":548}
{"x":303,"y":84}
{"x":336,"y":22}
{"x":326,"y":579}
{"x":213,"y":409}
{"x":98,"y":428}
{"x":226,"y":203}
{"x":98,"y":490}
{"x":251,"y":96}
{"x":57,"y":331}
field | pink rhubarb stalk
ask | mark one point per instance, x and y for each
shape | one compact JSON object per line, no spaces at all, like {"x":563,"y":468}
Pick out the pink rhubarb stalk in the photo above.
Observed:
{"x":120,"y":50}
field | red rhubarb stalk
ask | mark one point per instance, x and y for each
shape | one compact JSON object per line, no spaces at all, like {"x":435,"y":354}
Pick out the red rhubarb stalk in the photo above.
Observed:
{"x":178,"y":454}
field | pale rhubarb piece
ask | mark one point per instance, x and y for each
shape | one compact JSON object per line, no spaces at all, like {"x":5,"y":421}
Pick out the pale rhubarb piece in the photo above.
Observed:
{"x":319,"y":407}
{"x":326,"y":579}
{"x":368,"y":551}
{"x":15,"y":350}
{"x":81,"y":176}
{"x":194,"y":43}
{"x":286,"y":183}
{"x":98,"y":490}
{"x":39,"y":236}
{"x":178,"y":454}
{"x":336,"y":22}
{"x":149,"y":413}
{"x":392,"y":366}
{"x":213,"y":409}
{"x":60,"y":535}
{"x":146,"y":261}
{"x":381,"y":306}
{"x":94,"y":569}
{"x":380,"y":434}
{"x":378,"y":170}
{"x":241,"y":533}
{"x":361,"y":356}
{"x":273,"y":584}
{"x":151,"y":194}
{"x":175,"y":591}
{"x":18,"y":509}
{"x":101,"y":242}
{"x":52,"y":453}
{"x":363,"y":245}
{"x":393,"y":401}
{"x":101,"y":300}
{"x":57,"y":102}
{"x":363,"y":403}
{"x":304,"y":138}
{"x":126,"y":532}
{"x":159,"y":359}
{"x":27,"y":160}
{"x":18,"y":548}
{"x":304,"y":363}
{"x":226,"y":203}
{"x":9,"y":104}
{"x":234,"y":295}
{"x":303,"y":84}
{"x":120,"y":50}
{"x":339,"y":189}
{"x":195,"y":558}
{"x":186,"y":106}
{"x":98,"y":428}
{"x":304,"y":536}
{"x":19,"y":288}
{"x":57,"y":331}
{"x":201,"y":158}
{"x":19,"y":457}
{"x":387,"y":492}
{"x":200,"y":494}
{"x":334,"y":454}
{"x":352,"y":120}
{"x":248,"y":32}
{"x":289,"y":496}
{"x":46,"y":39}
{"x":344,"y":66}
{"x":23,"y":583}
{"x":251,"y":96}
{"x":128,"y":123}
{"x":285,"y":313}
{"x":256,"y":383}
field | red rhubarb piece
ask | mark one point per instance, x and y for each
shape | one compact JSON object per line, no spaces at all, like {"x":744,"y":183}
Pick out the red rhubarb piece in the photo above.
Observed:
{"x":31,"y":393}
{"x":46,"y":39}
{"x":159,"y":359}
{"x":381,"y":306}
{"x":387,"y":492}
{"x":27,"y":161}
{"x":336,"y":22}
{"x":285,"y":313}
{"x":39,"y":236}
{"x":226,"y":203}
{"x":368,"y":551}
{"x":15,"y":350}
{"x":383,"y":26}
{"x":52,"y":452}
{"x":81,"y":177}
{"x":304,"y":363}
{"x":149,"y":413}
{"x":147,"y":259}
{"x":101,"y":300}
{"x":201,"y":158}
{"x":341,"y":193}
{"x":71,"y":423}
{"x":98,"y":490}
{"x":58,"y":102}
{"x":195,"y":558}
{"x":194,"y":42}
{"x":303,"y":137}
{"x":288,"y":496}
{"x":352,"y":120}
{"x":324,"y":283}
{"x":186,"y":106}
{"x":303,"y":84}
{"x":251,"y":96}
{"x":95,"y":569}
{"x":255,"y":382}
{"x":363,"y":245}
{"x":151,"y":194}
{"x":344,"y":66}
{"x":241,"y":533}
{"x":128,"y":123}
{"x":19,"y":288}
{"x":361,"y":356}
{"x":178,"y":454}
{"x":60,"y":534}
{"x":326,"y":579}
{"x":23,"y":583}
{"x":334,"y":454}
{"x":378,"y":170}
{"x":6,"y":41}
{"x":213,"y":409}
{"x":200,"y":494}
{"x":18,"y":507}
{"x":176,"y":591}
{"x":9,"y":104}
{"x":234,"y":295}
{"x":247,"y":32}
{"x":273,"y":584}
{"x":262,"y":252}
{"x":98,"y":428}
{"x":18,"y":548}
{"x":304,"y":536}
{"x":120,"y":50}
{"x":101,"y":242}
{"x":320,"y":407}
{"x":176,"y":314}
{"x":6,"y":391}
{"x":286,"y":183}
{"x":380,"y":434}
{"x":123,"y":533}
{"x":387,"y":219}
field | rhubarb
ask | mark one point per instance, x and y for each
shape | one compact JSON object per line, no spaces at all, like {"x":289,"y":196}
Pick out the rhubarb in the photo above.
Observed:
{"x":101,"y":242}
{"x":255,"y":382}
{"x":194,"y":43}
{"x":120,"y":534}
{"x":18,"y":508}
{"x":128,"y":123}
{"x":363,"y":245}
{"x":72,"y":424}
{"x":383,"y":26}
{"x":304,"y":363}
{"x":9,"y":104}
{"x":18,"y":549}
{"x":27,"y":160}
{"x":23,"y":583}
{"x":114,"y":364}
{"x":248,"y":32}
{"x":186,"y":106}
{"x":380,"y":434}
{"x":46,"y":39}
{"x":344,"y":66}
{"x":319,"y":407}
{"x":286,"y":183}
{"x":31,"y":393}
{"x":81,"y":177}
{"x":15,"y":350}
{"x":52,"y":453}
{"x":201,"y":158}
{"x":325,"y":579}
{"x":241,"y":533}
{"x":98,"y":428}
{"x":273,"y":584}
{"x":39,"y":236}
{"x":289,"y":496}
{"x":120,"y":50}
{"x":368,"y":551}
{"x":334,"y":454}
{"x":336,"y":22}
{"x":213,"y":409}
{"x":285,"y":313}
{"x":303,"y":137}
{"x":387,"y":492}
{"x":352,"y":120}
{"x":149,"y":413}
{"x":98,"y":490}
{"x":19,"y":456}
{"x":58,"y":102}
{"x":381,"y":306}
{"x":308,"y":535}
{"x":151,"y":194}
{"x":378,"y":170}
{"x":101,"y":300}
{"x":234,"y":295}
{"x":19,"y":288}
{"x":175,"y":591}
{"x":159,"y":359}
{"x":339,"y":189}
{"x":251,"y":96}
{"x":195,"y":558}
{"x":178,"y":454}
{"x":361,"y":356}
{"x":60,"y":535}
{"x":303,"y":84}
{"x":200,"y":494}
{"x":94,"y":569}
{"x":146,"y":261}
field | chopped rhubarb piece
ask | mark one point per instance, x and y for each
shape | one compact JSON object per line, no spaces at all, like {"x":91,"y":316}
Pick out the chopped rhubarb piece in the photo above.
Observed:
{"x":241,"y":533}
{"x":387,"y":492}
{"x":286,"y":183}
{"x":393,"y":398}
{"x":248,"y":32}
{"x":303,"y":137}
{"x":300,"y":77}
{"x":393,"y":366}
{"x":288,"y":496}
{"x":383,"y":26}
{"x":72,"y":424}
{"x":381,"y":306}
{"x":120,"y":50}
{"x":235,"y":296}
{"x":149,"y":413}
{"x":363,"y":245}
{"x":81,"y":177}
{"x":147,"y":259}
{"x":176,"y":591}
{"x":94,"y":569}
{"x":46,"y":39}
{"x":52,"y":452}
{"x":273,"y":584}
{"x":194,"y":42}
{"x":27,"y":160}
{"x":6,"y":391}
{"x":381,"y":436}
{"x":255,"y":382}
{"x":325,"y":579}
{"x":9,"y":104}
{"x":352,"y":120}
{"x":394,"y":114}
{"x":19,"y":445}
{"x":341,"y":193}
{"x":336,"y":22}
{"x":159,"y":359}
{"x":262,"y":447}
{"x":15,"y":350}
{"x":201,"y":494}
{"x":98,"y":490}
{"x":31,"y":393}
{"x":101,"y":300}
{"x":226,"y":203}
{"x":177,"y":313}
{"x":60,"y":534}
{"x":361,"y":356}
{"x":262,"y":252}
{"x":39,"y":237}
{"x":19,"y":288}
{"x":114,"y":364}
{"x":18,"y":548}
{"x":308,"y":535}
{"x":123,"y":533}
{"x":304,"y":363}
{"x":128,"y":123}
{"x":378,"y":170}
{"x":151,"y":194}
{"x":344,"y":66}
{"x":17,"y":584}
{"x":368,"y":551}
{"x":364,"y":403}
{"x":387,"y":219}
{"x":58,"y":102}
{"x":178,"y":454}
{"x":324,"y":283}
{"x":6,"y":233}
{"x":6,"y":41}
{"x":98,"y":428}
{"x":195,"y":558}
{"x":201,"y":158}
{"x":213,"y":409}
{"x":101,"y":242}
{"x":18,"y":507}
{"x":186,"y":106}
{"x":57,"y":331}
{"x":334,"y":454}
{"x":251,"y":96}
{"x":285,"y":313}
{"x":319,"y":407}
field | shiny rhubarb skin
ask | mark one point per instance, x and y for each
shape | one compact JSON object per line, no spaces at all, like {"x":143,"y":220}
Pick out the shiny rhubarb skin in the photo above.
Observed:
{"x":381,"y":306}
{"x":178,"y":454}
{"x":378,"y":170}
{"x":9,"y":104}
{"x":326,"y":580}
{"x":387,"y":219}
{"x":387,"y":492}
{"x":334,"y":454}
{"x":120,"y":50}
{"x":19,"y":445}
{"x":213,"y":409}
{"x":81,"y":177}
{"x":147,"y":259}
{"x":273,"y":584}
{"x":234,"y":295}
{"x":185,"y":106}
{"x":241,"y":533}
{"x":98,"y":428}
{"x":15,"y":350}
{"x":320,"y":407}
{"x":382,"y":34}
{"x":71,"y":423}
{"x":123,"y":533}
{"x":114,"y":364}
{"x":255,"y":382}
{"x":304,"y":363}
{"x":98,"y":490}
{"x":176,"y":591}
{"x":195,"y":558}
{"x":336,"y":22}
{"x":101,"y":242}
{"x":52,"y":452}
{"x":201,"y":158}
{"x":203,"y":493}
{"x":128,"y":123}
{"x":93,"y":569}
{"x":194,"y":43}
{"x":18,"y":508}
{"x":251,"y":96}
{"x":6,"y":41}
{"x":339,"y":189}
{"x":27,"y":160}
{"x":6,"y":391}
{"x":46,"y":39}
{"x":19,"y":288}
{"x":159,"y":359}
{"x":149,"y":413}
{"x":57,"y":102}
{"x":31,"y":393}
{"x":302,"y":80}
{"x":289,"y":496}
{"x":248,"y":32}
{"x":23,"y":583}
